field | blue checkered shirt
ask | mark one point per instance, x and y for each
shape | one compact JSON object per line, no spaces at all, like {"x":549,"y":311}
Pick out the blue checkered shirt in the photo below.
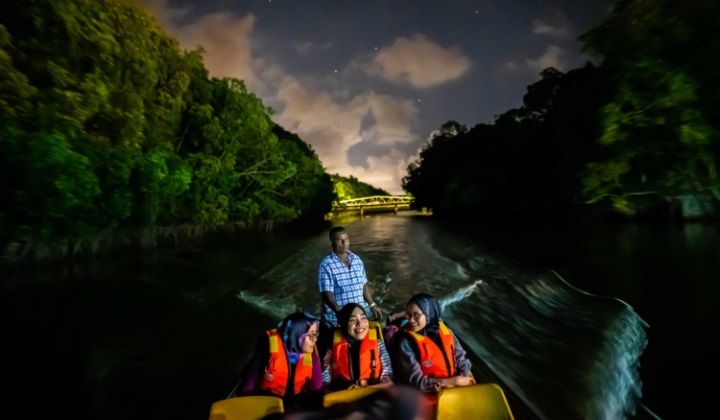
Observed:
{"x":346,"y":284}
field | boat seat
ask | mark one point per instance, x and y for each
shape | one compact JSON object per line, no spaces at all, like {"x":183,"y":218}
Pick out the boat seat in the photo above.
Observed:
{"x":347,"y":395}
{"x":484,"y":401}
{"x":246,"y":408}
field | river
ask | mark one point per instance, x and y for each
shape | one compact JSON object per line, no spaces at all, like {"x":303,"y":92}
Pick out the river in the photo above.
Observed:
{"x":578,"y":322}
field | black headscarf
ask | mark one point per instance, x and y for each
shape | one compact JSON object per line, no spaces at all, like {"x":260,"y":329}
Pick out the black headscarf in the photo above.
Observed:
{"x":430,"y":306}
{"x":344,"y":318}
{"x":293,"y":330}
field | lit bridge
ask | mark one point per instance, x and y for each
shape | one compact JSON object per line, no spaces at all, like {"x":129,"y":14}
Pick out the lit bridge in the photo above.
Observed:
{"x":375,"y":203}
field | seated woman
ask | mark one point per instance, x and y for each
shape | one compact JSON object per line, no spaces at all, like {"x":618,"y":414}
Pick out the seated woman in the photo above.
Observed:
{"x":285,"y":364}
{"x":428,"y":355}
{"x":358,"y":355}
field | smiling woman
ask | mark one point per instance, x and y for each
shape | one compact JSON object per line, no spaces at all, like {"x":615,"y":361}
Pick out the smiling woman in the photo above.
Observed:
{"x":358,"y":356}
{"x":417,"y":318}
{"x":428,"y":353}
{"x":285,"y":363}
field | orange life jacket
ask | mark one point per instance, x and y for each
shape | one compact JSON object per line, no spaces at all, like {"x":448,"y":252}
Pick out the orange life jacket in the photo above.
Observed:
{"x":434,"y":361}
{"x":370,"y":364}
{"x":277,"y":372}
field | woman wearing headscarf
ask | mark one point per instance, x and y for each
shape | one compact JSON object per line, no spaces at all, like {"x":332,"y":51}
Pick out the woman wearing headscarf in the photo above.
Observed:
{"x":429,"y":355}
{"x":358,"y":355}
{"x":285,"y":363}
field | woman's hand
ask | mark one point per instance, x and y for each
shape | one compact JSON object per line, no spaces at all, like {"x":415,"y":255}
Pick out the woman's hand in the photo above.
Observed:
{"x":453,"y":382}
{"x":395,"y":316}
{"x":462,"y":380}
{"x":385,"y":384}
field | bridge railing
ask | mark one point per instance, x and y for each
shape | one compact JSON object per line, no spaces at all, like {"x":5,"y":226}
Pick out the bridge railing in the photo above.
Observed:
{"x":373,"y":201}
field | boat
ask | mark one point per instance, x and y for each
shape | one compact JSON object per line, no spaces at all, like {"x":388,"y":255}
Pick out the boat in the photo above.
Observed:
{"x":485,"y":399}
{"x":481,"y":401}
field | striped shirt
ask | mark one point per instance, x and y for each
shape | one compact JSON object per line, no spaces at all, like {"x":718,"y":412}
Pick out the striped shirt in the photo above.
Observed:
{"x":345,"y":283}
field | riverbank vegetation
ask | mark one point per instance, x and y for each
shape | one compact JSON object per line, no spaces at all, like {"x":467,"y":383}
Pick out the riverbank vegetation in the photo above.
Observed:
{"x":113,"y":136}
{"x":350,"y":187}
{"x":634,"y":136}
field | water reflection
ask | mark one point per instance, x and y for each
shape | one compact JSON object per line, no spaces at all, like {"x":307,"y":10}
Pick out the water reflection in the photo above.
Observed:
{"x":114,"y":339}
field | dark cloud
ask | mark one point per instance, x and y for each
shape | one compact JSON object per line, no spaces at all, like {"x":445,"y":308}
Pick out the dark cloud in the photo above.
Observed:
{"x":366,"y":82}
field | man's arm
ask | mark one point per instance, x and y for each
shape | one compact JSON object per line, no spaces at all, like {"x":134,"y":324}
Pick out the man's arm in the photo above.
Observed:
{"x":329,"y":299}
{"x":326,"y":286}
{"x":369,"y":299}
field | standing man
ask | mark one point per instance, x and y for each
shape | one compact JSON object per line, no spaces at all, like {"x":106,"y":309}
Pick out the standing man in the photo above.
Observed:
{"x":342,"y":278}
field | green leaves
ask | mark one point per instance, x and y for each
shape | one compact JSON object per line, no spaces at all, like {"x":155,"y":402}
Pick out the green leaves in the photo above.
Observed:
{"x":605,"y":177}
{"x":47,"y":188}
{"x":15,"y":89}
{"x":346,"y":188}
{"x":105,"y":124}
{"x":660,"y":128}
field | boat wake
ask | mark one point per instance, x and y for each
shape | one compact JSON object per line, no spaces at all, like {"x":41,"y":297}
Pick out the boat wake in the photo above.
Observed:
{"x":565,"y":352}
{"x":459,"y":295}
{"x":273,"y":307}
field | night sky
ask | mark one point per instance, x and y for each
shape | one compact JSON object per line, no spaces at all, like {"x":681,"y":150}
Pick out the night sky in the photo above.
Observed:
{"x":365,"y":82}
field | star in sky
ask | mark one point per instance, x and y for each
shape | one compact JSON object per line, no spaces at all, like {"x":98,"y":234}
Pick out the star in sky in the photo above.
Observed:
{"x":366,"y":118}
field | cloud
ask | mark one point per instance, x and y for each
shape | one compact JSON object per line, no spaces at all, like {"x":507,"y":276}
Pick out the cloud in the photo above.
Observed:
{"x":332,"y":119}
{"x":226,"y":41}
{"x":419,"y":62}
{"x":540,"y":27}
{"x":510,"y":66}
{"x":386,"y":172}
{"x":307,"y":48}
{"x":163,"y":12}
{"x":553,"y":56}
{"x":332,"y":128}
{"x":225,"y":37}
{"x":393,"y":118}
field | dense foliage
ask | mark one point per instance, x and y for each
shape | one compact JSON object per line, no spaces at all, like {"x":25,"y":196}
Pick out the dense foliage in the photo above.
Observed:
{"x":346,"y":188}
{"x":526,"y":163}
{"x":637,"y":135}
{"x":107,"y":126}
{"x":660,"y":128}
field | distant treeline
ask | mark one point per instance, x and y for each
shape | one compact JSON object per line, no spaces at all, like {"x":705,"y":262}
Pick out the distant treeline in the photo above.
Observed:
{"x":350,"y":187}
{"x":636,"y":136}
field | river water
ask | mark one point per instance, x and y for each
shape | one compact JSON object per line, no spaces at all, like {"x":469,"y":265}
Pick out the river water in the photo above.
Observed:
{"x":578,"y":323}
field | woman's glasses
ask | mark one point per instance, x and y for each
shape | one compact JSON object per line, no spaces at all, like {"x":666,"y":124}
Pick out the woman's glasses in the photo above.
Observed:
{"x":416,"y":316}
{"x":313,"y":336}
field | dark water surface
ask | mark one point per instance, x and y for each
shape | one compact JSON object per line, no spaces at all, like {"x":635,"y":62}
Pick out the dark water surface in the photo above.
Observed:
{"x":167,"y":336}
{"x":669,"y":274}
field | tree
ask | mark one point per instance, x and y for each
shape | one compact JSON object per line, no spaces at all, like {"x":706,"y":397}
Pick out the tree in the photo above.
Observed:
{"x":523,"y":165}
{"x":346,"y":188}
{"x":425,"y":179}
{"x":660,"y":129}
{"x":92,"y":87}
{"x":310,"y":191}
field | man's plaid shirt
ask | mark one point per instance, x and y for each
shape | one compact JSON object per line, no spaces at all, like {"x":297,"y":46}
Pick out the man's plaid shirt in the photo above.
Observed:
{"x":345,"y":283}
